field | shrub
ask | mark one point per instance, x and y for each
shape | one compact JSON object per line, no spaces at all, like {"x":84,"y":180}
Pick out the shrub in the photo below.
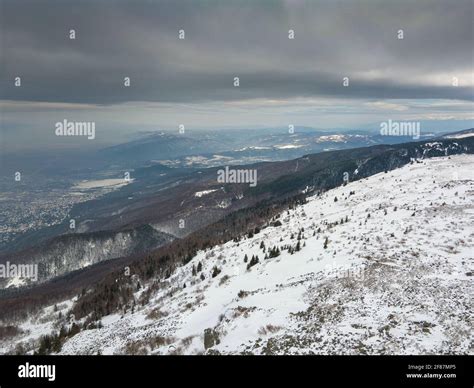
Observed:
{"x":223,"y":280}
{"x":215,"y":271}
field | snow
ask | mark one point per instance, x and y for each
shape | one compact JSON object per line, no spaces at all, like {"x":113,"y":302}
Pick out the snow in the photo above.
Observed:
{"x":199,"y":194}
{"x":288,"y":146}
{"x":332,"y":138}
{"x":393,"y":279}
{"x":16,"y":282}
{"x":253,"y":148}
{"x":86,"y":185}
{"x":460,"y":136}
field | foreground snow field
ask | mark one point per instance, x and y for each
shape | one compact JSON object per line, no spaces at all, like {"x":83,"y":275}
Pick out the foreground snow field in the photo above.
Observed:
{"x":384,"y":269}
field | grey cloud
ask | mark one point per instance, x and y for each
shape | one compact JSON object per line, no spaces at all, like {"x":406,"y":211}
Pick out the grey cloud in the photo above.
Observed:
{"x":248,"y":39}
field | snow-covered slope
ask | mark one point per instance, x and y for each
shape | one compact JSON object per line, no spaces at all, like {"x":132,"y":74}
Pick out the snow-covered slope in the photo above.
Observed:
{"x":64,"y":254}
{"x":460,"y":135}
{"x":384,"y":269}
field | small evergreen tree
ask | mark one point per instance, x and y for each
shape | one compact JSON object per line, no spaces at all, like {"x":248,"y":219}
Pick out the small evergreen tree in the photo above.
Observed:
{"x":326,"y":242}
{"x":253,"y":261}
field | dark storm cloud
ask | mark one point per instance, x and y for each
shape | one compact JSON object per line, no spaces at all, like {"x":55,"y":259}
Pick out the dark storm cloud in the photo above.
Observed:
{"x":139,"y":39}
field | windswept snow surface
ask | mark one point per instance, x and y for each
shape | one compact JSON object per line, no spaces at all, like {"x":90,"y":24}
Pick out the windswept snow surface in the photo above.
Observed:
{"x":460,"y":136}
{"x":199,"y":194}
{"x":394,"y":278}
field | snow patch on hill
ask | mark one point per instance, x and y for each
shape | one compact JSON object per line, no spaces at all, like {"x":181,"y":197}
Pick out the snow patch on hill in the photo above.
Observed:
{"x":383,"y":266}
{"x":199,"y":194}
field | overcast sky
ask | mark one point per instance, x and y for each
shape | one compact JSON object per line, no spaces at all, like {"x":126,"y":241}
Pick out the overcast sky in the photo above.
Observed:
{"x":282,"y":81}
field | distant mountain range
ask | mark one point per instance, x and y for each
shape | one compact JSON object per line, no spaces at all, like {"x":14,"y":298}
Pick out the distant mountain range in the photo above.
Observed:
{"x":212,"y":148}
